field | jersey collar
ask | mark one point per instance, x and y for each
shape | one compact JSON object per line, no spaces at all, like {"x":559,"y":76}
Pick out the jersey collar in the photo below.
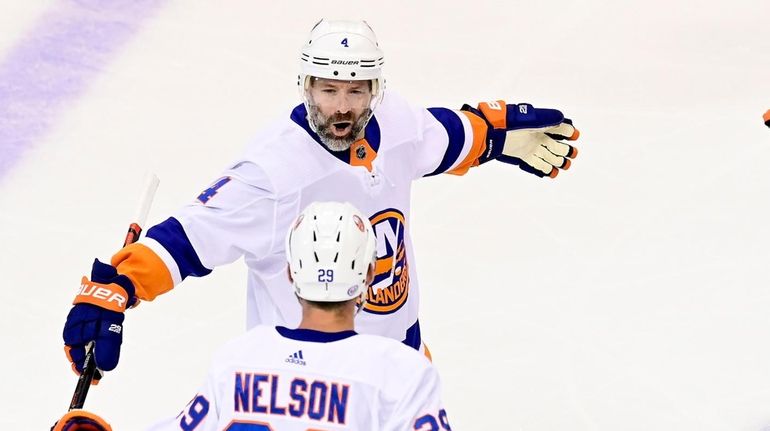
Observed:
{"x":312,"y":335}
{"x":361,"y":153}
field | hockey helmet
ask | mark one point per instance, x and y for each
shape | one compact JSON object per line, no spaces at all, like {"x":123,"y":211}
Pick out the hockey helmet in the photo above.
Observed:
{"x":329,"y":249}
{"x":342,"y":50}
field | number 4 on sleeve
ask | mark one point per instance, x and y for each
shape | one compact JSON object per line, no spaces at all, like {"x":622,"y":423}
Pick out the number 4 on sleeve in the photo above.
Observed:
{"x":209,"y":193}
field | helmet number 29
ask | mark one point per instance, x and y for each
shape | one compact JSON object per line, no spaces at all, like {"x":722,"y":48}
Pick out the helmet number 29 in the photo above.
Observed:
{"x":345,"y":43}
{"x":325,"y":275}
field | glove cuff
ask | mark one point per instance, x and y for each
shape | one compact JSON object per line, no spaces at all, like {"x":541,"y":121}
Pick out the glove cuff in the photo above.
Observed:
{"x":111,"y":296}
{"x":106,"y":289}
{"x":495,"y":136}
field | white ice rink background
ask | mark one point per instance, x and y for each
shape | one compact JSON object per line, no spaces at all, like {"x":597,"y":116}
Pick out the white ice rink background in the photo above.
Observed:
{"x":631,"y":293}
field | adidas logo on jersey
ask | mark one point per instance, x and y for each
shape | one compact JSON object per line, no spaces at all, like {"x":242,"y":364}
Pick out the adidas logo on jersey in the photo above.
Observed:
{"x":296,"y":358}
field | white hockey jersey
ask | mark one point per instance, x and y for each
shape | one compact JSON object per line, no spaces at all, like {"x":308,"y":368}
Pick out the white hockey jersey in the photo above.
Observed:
{"x":247,"y":212}
{"x":274,"y":378}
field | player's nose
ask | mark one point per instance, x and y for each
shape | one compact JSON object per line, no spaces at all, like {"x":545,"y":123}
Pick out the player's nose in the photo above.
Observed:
{"x":343,"y":104}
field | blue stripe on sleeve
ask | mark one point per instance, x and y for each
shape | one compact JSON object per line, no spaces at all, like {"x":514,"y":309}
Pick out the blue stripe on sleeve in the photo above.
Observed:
{"x":456,"y":131}
{"x":171,"y":235}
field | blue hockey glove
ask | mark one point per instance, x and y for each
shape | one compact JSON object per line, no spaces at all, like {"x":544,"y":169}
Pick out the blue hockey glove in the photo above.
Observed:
{"x":528,"y":137}
{"x":97,"y":315}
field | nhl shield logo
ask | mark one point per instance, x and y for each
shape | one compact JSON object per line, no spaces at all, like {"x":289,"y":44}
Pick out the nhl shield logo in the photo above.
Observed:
{"x":361,"y":152}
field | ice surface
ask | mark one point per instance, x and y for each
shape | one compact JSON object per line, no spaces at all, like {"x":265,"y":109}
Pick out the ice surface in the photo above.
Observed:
{"x":631,"y":293}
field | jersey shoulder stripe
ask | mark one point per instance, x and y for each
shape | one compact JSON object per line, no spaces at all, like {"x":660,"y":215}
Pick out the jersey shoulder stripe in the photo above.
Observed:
{"x":477,"y":146}
{"x":146,"y":270}
{"x":456,"y":133}
{"x":171,"y":235}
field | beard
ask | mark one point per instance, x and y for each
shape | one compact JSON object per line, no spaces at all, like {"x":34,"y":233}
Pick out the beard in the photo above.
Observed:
{"x":324,"y":126}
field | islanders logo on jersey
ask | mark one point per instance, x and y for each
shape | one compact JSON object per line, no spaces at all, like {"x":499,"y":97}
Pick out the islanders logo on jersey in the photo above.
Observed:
{"x":390,"y":288}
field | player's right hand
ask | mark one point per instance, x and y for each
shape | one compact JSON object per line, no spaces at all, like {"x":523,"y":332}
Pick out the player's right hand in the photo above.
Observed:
{"x":97,"y":315}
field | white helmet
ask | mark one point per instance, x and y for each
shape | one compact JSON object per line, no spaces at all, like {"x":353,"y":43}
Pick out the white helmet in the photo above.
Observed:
{"x":342,"y":50}
{"x":329,"y":249}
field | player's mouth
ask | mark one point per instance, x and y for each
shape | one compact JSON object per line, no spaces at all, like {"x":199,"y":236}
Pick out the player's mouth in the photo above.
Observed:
{"x":341,"y":128}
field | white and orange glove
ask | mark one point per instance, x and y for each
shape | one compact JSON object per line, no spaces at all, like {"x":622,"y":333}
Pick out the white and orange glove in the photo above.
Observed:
{"x":531,"y":138}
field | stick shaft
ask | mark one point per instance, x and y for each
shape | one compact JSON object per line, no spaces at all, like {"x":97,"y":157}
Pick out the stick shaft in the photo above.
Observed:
{"x":151,"y":182}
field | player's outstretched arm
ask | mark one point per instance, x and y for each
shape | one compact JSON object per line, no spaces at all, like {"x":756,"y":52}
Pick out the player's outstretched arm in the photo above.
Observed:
{"x":213,"y":230}
{"x":531,"y":138}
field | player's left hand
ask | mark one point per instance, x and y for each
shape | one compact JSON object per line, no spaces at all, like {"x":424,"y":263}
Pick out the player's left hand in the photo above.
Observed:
{"x":541,"y":150}
{"x":81,"y":420}
{"x":531,"y":138}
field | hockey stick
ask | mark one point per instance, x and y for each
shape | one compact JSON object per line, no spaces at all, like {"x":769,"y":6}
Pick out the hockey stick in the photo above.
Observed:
{"x":151,"y":182}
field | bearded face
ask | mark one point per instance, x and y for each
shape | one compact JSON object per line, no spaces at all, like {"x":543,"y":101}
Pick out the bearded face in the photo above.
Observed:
{"x":339,"y":110}
{"x":339,"y":131}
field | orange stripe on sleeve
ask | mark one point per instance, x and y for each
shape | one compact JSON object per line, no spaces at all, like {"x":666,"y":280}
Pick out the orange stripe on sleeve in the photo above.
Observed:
{"x":145,"y":269}
{"x":766,"y":117}
{"x":478,"y":147}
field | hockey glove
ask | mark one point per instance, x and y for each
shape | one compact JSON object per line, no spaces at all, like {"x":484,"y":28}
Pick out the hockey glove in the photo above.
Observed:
{"x":97,"y":315}
{"x":528,"y":137}
{"x":81,"y":420}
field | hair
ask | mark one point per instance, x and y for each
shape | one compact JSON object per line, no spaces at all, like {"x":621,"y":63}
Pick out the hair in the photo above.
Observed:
{"x":336,"y":307}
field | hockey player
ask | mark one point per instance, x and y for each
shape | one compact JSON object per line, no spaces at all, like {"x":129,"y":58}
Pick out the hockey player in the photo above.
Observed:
{"x":347,"y":141}
{"x":319,"y":374}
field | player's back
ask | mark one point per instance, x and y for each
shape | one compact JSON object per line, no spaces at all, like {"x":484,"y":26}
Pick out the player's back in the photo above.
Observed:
{"x":296,"y":380}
